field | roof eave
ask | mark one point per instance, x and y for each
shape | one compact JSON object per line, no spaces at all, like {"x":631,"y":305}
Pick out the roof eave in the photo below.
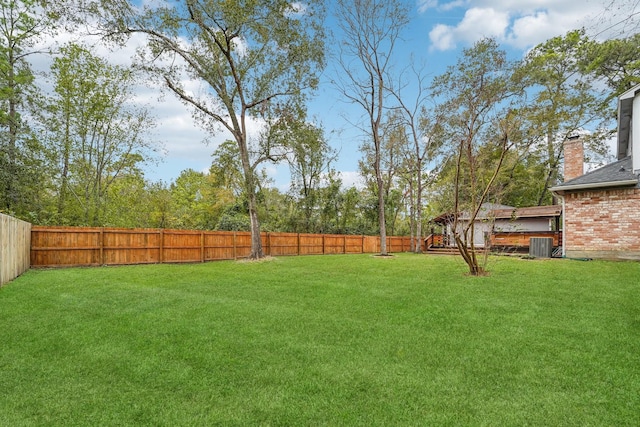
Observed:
{"x":625,"y":183}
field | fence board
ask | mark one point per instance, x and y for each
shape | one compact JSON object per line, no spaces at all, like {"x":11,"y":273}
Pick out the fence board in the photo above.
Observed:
{"x":219,"y":245}
{"x":280,"y":244}
{"x":334,"y":244}
{"x":311,"y":244}
{"x":370,"y":244}
{"x":353,"y":244}
{"x":15,"y":243}
{"x":75,"y":246}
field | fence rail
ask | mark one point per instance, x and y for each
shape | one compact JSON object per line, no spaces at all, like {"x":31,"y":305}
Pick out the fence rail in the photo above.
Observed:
{"x":87,"y":246}
{"x":15,"y":241}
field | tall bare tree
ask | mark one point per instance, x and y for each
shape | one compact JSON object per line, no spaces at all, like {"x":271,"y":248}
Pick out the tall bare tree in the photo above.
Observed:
{"x":424,"y":134}
{"x":254,"y":58}
{"x":370,"y":30}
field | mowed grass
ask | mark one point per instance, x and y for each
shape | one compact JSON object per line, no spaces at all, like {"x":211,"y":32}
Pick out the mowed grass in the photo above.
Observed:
{"x":333,"y":340}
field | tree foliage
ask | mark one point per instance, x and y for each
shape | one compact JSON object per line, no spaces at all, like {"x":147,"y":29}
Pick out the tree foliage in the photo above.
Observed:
{"x":565,"y":102}
{"x":256,"y":58}
{"x":22,"y":24}
{"x":615,"y":61}
{"x":94,"y":135}
{"x":480,"y":101}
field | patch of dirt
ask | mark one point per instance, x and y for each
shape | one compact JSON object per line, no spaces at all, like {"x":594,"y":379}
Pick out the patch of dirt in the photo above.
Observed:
{"x":264,"y":259}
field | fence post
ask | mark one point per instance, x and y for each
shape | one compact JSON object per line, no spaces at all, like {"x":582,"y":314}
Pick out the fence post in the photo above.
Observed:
{"x":268,"y":239}
{"x":161,"y":251}
{"x":101,"y":245}
{"x":201,"y":246}
{"x":298,"y":244}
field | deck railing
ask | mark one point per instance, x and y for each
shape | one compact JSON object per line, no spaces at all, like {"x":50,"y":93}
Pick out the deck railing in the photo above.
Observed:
{"x":498,"y":239}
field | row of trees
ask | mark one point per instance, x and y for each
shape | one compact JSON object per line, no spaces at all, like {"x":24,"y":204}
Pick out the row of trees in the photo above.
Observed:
{"x":72,"y":150}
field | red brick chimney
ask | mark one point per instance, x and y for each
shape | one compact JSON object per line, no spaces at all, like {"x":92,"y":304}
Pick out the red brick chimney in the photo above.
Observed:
{"x":573,"y":158}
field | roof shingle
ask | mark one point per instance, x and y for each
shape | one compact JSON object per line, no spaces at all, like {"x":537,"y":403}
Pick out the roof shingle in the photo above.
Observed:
{"x":619,"y":171}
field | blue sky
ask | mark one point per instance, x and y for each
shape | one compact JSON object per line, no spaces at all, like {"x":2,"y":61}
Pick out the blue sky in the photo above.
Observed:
{"x":437,"y":33}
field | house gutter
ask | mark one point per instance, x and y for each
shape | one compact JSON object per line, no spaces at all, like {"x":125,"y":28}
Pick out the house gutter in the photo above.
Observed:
{"x":564,"y":225}
{"x":625,"y":183}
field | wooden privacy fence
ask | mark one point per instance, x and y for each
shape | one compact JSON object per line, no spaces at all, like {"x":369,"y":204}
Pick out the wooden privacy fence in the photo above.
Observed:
{"x":87,"y":246}
{"x":15,"y":242}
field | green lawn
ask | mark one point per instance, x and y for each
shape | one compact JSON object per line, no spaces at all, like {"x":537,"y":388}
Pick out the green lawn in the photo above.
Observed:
{"x":333,"y":340}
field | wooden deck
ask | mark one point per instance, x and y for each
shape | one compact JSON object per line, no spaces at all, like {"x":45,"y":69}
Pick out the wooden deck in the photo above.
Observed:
{"x":500,"y":242}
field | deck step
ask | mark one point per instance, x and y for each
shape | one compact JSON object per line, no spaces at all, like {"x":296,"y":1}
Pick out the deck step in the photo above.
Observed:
{"x":443,"y":251}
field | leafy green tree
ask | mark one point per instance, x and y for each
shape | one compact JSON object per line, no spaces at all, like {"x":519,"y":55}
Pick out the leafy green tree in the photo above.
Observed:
{"x":234,"y":218}
{"x":349,"y":218}
{"x":394,"y":140}
{"x":159,"y":205}
{"x":276,"y":209}
{"x":309,"y":158}
{"x":225,"y":181}
{"x":614,"y":60}
{"x":128,"y":202}
{"x":94,"y":135}
{"x":564,"y":102}
{"x":257,"y":58}
{"x":190,"y":201}
{"x":480,"y":102}
{"x":226,"y":168}
{"x":22,"y":24}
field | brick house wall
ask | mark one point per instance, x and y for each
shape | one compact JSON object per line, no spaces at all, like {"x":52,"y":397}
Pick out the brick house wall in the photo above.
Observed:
{"x":603,"y":224}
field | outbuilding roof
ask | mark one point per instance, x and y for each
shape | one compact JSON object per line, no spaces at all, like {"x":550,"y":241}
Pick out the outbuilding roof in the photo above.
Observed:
{"x":506,"y":212}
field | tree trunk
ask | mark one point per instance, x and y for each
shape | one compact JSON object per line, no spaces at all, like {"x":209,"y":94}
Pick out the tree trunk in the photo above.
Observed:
{"x":419,"y":209}
{"x":469,"y":256}
{"x":381,"y":216}
{"x":256,"y":238}
{"x":250,"y":189}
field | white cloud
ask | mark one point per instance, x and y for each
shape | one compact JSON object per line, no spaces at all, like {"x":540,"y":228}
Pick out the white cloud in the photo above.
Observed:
{"x":424,"y":5}
{"x":526,"y":30}
{"x":298,"y":8}
{"x":476,"y":24}
{"x":518,"y":23}
{"x":351,"y":179}
{"x":442,"y":37}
